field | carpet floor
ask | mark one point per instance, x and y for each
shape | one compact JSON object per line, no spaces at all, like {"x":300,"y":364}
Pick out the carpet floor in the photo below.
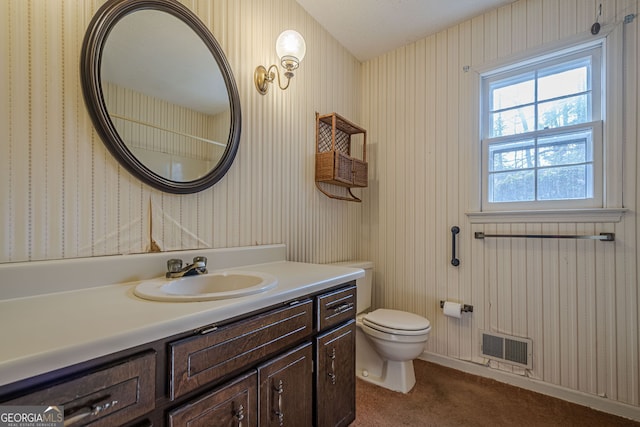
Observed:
{"x":447,"y":397}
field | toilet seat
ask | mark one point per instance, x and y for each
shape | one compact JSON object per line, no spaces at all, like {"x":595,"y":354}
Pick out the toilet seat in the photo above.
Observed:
{"x":397,"y":322}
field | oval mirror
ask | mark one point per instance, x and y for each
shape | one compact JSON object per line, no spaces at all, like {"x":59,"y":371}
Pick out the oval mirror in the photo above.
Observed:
{"x":161,"y":93}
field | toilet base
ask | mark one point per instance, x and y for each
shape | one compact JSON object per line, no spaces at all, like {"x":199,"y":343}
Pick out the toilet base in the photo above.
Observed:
{"x":390,"y":374}
{"x":396,"y":376}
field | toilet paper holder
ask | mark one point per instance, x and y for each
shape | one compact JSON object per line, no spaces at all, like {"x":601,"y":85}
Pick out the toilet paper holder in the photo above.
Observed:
{"x":465,"y":307}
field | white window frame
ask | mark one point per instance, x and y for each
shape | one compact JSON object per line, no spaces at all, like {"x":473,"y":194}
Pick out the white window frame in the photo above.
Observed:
{"x":609,"y":207}
{"x":595,"y":53}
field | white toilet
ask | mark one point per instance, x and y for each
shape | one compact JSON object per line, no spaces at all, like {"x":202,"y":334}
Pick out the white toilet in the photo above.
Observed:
{"x":387,"y":341}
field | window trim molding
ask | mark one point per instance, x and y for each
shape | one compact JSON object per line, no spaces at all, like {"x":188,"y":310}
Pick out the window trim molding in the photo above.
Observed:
{"x":613,"y":114}
{"x":611,"y":39}
{"x":595,"y":215}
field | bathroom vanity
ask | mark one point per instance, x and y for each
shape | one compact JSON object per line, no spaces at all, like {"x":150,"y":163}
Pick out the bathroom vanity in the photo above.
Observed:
{"x":283,"y":357}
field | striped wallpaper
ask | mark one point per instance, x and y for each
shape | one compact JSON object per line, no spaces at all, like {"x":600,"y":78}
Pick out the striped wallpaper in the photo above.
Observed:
{"x":64,"y":196}
{"x":577,"y":300}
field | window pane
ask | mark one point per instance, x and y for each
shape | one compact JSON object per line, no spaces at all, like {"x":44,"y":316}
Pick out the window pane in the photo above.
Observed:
{"x":512,"y":122}
{"x":566,"y":149}
{"x":564,"y":82}
{"x":538,"y":132}
{"x":512,"y":155}
{"x":512,"y":95}
{"x":518,"y":186}
{"x":564,"y":112}
{"x":569,"y":182}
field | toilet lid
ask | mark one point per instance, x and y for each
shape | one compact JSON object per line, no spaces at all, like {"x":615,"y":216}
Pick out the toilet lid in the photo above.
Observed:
{"x":397,"y":322}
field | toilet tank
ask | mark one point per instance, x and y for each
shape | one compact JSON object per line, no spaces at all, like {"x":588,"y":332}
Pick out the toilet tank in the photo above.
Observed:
{"x":364,"y":285}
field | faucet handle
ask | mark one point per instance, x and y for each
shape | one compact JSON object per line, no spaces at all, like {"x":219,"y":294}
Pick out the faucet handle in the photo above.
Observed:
{"x":200,"y":261}
{"x":174,"y":265}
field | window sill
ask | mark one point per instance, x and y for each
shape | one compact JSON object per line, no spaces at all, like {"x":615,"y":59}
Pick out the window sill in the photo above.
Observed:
{"x":567,"y":215}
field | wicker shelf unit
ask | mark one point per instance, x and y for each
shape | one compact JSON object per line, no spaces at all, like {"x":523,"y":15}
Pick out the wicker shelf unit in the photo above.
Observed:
{"x":334,"y":162}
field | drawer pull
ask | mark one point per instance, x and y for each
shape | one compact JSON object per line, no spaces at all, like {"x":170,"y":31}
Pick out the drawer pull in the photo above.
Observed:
{"x":342,"y":308}
{"x":92,"y":408}
{"x":208,"y":330}
{"x":332,"y":374}
{"x":278,"y":412}
{"x":240,"y":415}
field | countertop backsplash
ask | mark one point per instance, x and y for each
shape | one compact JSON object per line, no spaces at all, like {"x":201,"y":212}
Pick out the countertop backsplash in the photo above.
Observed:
{"x":26,"y":279}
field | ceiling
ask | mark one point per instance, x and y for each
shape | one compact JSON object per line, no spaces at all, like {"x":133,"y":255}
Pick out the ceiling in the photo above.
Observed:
{"x":369,"y":28}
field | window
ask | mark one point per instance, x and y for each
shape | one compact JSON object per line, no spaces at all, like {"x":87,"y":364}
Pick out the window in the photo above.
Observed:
{"x":542,"y":133}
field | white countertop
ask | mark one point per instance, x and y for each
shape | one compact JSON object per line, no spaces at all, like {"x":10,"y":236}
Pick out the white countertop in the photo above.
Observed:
{"x":45,"y":332}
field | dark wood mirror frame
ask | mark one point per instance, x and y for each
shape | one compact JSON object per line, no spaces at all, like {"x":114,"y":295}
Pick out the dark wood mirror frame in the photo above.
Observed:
{"x":90,"y":73}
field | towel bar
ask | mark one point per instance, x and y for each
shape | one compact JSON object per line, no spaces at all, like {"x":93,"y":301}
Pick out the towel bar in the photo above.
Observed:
{"x":607,"y":237}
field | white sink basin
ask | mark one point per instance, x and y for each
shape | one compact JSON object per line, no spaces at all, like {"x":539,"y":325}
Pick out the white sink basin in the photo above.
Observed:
{"x":206,"y":287}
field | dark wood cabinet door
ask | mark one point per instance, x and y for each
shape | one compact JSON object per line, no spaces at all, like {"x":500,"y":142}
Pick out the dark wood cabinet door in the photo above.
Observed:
{"x":286,"y":389}
{"x":336,"y":377}
{"x":232,"y":405}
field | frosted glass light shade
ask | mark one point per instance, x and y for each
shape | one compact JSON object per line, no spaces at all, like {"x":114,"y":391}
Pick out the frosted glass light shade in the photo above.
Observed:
{"x":290,"y":45}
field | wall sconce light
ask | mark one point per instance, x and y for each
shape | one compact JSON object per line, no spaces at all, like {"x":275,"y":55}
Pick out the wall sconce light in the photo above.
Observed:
{"x":290,"y":48}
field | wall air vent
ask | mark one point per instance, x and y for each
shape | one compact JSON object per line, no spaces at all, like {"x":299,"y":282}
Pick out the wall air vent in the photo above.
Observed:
{"x":506,"y":348}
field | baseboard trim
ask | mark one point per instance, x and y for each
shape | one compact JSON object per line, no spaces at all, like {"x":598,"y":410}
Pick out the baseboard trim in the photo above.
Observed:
{"x":578,"y":397}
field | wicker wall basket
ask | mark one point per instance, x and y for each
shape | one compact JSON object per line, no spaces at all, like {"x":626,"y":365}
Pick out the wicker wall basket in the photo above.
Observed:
{"x":334,"y":163}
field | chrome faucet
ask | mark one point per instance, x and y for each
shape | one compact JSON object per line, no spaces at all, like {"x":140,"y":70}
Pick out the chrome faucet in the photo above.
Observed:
{"x":175,"y":269}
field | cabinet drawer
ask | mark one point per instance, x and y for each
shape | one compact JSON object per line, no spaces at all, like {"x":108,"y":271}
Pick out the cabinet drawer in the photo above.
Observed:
{"x":336,"y":307}
{"x":199,"y":360}
{"x":108,"y":397}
